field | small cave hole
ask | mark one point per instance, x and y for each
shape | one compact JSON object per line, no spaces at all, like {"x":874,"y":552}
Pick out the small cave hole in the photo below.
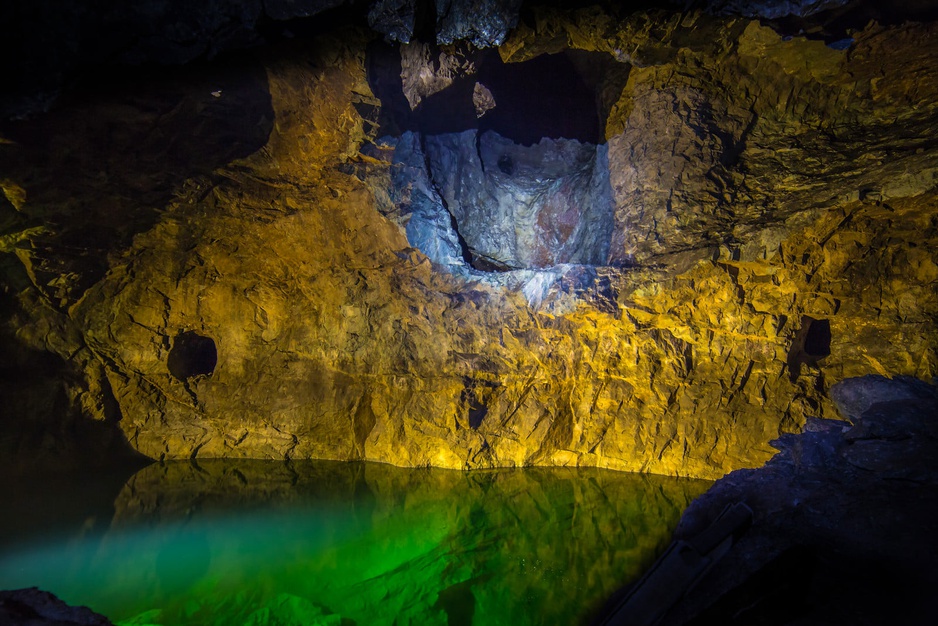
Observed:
{"x":817,"y":341}
{"x":192,"y":355}
{"x":811,"y":344}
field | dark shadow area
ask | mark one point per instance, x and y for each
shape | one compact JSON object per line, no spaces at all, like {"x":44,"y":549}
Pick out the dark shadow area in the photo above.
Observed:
{"x":771,"y":596}
{"x":42,"y":425}
{"x":811,"y":344}
{"x":839,"y":23}
{"x":78,"y":503}
{"x":101,"y":166}
{"x":276,"y":27}
{"x":817,"y":341}
{"x":563,"y":95}
{"x":458,"y":603}
{"x":816,"y":585}
{"x":50,"y":46}
{"x":192,"y":355}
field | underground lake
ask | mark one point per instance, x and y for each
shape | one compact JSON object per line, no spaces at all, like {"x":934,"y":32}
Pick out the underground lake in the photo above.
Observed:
{"x":318,"y":542}
{"x":468,"y":312}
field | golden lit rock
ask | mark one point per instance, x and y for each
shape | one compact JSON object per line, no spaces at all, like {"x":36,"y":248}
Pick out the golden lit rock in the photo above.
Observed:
{"x":771,"y":238}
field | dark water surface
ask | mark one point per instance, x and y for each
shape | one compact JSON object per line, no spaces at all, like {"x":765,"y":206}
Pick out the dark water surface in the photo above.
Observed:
{"x":265,"y":542}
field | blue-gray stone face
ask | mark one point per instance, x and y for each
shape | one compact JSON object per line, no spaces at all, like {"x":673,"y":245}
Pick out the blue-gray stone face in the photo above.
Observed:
{"x":426,"y":221}
{"x":483,"y":22}
{"x":522,"y":206}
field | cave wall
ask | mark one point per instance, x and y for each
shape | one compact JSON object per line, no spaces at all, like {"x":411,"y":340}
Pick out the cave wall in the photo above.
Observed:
{"x":757,"y":184}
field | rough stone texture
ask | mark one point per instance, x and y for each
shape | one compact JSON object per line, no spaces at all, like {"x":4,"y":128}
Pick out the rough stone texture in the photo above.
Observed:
{"x":415,"y":204}
{"x":525,"y":206}
{"x":713,"y":140}
{"x":785,"y":180}
{"x":394,"y":18}
{"x":482,"y":99}
{"x":484,"y":23}
{"x":843,"y":520}
{"x":32,"y":607}
{"x":422,"y":76}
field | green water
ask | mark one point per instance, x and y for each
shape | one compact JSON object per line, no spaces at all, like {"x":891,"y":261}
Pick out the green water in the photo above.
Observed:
{"x":269,"y":543}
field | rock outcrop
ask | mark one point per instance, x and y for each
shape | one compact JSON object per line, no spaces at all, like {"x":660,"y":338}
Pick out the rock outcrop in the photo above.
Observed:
{"x":842,"y":528}
{"x":773,"y":232}
{"x":32,"y":607}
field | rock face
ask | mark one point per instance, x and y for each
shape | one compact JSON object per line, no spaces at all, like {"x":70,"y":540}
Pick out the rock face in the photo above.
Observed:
{"x":524,"y":206}
{"x":842,"y":519}
{"x":32,"y":607}
{"x":772,"y":232}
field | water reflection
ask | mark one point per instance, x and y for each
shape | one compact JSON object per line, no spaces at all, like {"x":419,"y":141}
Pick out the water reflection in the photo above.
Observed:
{"x":256,"y":542}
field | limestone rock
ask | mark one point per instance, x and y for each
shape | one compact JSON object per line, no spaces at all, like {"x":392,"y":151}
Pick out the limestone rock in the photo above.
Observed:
{"x":482,"y":99}
{"x":395,"y":18}
{"x":416,"y":205}
{"x":423,"y":76}
{"x":855,"y":396}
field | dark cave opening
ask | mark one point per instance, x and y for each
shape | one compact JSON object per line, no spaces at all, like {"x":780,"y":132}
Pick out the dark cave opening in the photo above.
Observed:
{"x":563,"y":95}
{"x":192,"y":355}
{"x":543,"y":97}
{"x":516,"y":178}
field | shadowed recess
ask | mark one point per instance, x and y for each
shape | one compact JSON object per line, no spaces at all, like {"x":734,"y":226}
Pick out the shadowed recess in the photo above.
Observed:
{"x":563,"y":95}
{"x":812,"y":343}
{"x":117,"y":149}
{"x":192,"y":355}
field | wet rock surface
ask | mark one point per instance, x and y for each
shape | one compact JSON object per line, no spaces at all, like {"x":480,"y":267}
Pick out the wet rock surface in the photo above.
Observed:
{"x":843,"y":519}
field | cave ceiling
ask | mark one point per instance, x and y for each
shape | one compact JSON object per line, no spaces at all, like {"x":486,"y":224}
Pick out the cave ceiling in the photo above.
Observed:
{"x":641,"y":236}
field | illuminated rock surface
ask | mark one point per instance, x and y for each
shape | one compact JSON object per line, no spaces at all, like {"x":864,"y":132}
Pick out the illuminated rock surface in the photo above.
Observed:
{"x":773,"y":231}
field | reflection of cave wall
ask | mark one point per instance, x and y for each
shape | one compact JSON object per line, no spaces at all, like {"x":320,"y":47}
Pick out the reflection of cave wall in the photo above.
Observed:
{"x":524,"y":184}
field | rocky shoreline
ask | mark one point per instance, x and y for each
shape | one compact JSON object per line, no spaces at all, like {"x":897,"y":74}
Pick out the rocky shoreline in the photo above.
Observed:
{"x":842,"y":528}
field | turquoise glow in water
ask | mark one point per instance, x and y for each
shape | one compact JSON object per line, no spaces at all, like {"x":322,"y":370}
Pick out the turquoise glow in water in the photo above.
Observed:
{"x":255,"y":543}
